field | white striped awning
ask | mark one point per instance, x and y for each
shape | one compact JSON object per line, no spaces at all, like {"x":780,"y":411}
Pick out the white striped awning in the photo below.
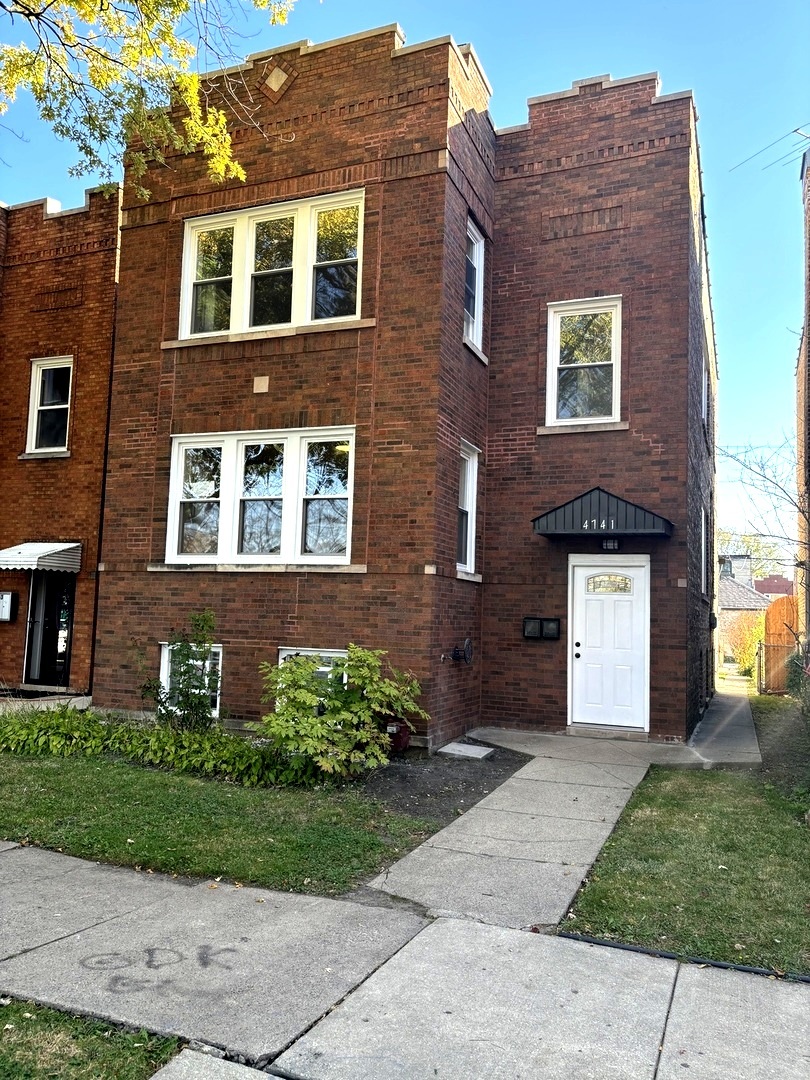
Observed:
{"x":42,"y":557}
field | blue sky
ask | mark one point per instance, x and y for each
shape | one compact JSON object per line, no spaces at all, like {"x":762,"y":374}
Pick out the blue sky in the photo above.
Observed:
{"x":747,"y":66}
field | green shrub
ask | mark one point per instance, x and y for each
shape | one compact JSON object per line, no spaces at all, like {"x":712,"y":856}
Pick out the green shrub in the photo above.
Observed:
{"x":214,"y":753}
{"x":336,"y":726}
{"x":58,"y":732}
{"x":185,"y":704}
{"x":744,"y":635}
{"x":64,"y":731}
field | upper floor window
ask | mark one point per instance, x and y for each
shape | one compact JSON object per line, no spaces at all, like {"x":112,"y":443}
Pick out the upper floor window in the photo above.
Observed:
{"x":49,"y":408}
{"x":704,"y":551}
{"x":474,"y":286}
{"x":261,"y":496}
{"x":280,"y":265}
{"x":467,"y":493}
{"x":584,"y":352}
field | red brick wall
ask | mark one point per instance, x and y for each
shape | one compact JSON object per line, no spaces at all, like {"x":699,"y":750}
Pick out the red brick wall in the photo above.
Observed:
{"x":592,"y":199}
{"x":57,"y":298}
{"x":382,"y":126}
{"x":595,"y":197}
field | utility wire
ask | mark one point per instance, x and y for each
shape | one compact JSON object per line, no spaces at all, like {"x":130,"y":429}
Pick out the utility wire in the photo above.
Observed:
{"x":796,"y":151}
{"x":793,"y":131}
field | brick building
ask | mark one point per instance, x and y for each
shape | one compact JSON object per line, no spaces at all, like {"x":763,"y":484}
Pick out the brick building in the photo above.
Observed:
{"x":57,"y":299}
{"x":803,"y":426}
{"x":420,"y":384}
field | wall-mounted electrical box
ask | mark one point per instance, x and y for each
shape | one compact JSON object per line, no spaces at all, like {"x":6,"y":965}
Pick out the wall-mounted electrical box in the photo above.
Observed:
{"x":541,"y":629}
{"x":8,"y":606}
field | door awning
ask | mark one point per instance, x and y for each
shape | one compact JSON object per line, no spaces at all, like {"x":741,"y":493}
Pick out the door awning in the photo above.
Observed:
{"x":598,"y":511}
{"x":42,"y":557}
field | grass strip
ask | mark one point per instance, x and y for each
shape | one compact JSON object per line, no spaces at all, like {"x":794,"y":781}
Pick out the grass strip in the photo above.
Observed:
{"x":42,"y":1044}
{"x":321,"y":840}
{"x":712,"y":864}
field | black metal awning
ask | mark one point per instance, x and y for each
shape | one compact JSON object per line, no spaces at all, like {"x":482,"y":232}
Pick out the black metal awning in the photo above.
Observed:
{"x":598,"y":511}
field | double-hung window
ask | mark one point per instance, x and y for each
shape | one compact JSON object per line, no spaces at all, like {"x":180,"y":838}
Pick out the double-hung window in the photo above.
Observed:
{"x":467,"y":491}
{"x":261,"y":496}
{"x":474,"y":286}
{"x":287,"y":264}
{"x":49,"y":407}
{"x":584,"y":354}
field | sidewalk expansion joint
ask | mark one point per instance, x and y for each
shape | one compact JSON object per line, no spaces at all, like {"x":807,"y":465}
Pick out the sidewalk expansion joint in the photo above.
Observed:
{"x":508,"y":858}
{"x":265,"y":1061}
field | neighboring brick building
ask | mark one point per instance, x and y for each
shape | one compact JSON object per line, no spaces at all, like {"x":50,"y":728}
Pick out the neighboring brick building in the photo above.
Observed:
{"x":57,"y":300}
{"x":344,"y":391}
{"x":803,"y":427}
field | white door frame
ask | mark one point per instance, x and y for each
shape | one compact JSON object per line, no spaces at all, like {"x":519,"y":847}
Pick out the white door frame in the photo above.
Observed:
{"x":600,"y":561}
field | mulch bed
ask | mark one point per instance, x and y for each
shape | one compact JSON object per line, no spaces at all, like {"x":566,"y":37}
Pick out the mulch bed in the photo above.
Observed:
{"x":438,"y":786}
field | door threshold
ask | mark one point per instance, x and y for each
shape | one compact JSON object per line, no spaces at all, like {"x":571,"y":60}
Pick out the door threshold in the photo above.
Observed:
{"x":41,"y":688}
{"x":599,"y":731}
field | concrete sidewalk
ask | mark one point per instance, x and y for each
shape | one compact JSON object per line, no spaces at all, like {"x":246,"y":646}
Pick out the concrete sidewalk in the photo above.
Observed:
{"x":449,"y":985}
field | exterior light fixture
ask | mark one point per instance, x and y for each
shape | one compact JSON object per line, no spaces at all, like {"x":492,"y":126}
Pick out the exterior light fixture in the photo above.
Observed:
{"x":610,"y":545}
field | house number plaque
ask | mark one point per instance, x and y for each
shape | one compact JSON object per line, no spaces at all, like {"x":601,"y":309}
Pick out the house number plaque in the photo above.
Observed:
{"x":599,"y":525}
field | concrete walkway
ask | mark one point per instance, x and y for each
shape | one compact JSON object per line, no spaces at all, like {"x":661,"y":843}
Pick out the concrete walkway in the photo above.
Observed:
{"x":449,"y":985}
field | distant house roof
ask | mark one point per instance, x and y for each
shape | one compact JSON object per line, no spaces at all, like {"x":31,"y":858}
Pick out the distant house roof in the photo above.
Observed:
{"x":732,"y":595}
{"x":774,"y":585}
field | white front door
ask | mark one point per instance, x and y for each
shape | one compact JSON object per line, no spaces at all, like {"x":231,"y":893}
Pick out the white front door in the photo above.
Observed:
{"x":608,"y":640}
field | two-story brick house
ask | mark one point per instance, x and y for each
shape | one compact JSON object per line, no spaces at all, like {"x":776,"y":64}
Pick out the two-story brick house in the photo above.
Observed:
{"x":57,"y":301}
{"x":420,"y":384}
{"x":803,"y":425}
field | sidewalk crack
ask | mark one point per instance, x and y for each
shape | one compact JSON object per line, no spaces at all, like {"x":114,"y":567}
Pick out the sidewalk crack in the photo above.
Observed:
{"x":666,"y":1023}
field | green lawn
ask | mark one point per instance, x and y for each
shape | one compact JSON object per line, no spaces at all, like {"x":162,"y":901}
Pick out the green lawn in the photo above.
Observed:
{"x":321,"y":841}
{"x":708,"y":864}
{"x":41,"y":1044}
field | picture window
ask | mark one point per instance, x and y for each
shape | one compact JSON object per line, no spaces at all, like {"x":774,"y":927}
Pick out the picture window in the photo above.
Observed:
{"x":286,"y":264}
{"x":282,"y":496}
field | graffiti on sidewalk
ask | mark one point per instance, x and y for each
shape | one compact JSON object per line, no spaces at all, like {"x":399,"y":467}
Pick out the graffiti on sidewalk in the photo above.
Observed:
{"x":129,"y":972}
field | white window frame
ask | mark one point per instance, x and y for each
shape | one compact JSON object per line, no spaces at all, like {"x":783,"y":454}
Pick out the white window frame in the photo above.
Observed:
{"x":467,"y":503}
{"x":38,"y":366}
{"x":474,"y":323}
{"x":704,"y":387}
{"x":305,"y":213}
{"x":704,"y":552}
{"x":165,"y":669}
{"x":327,"y":657}
{"x":295,"y":442}
{"x":590,"y":306}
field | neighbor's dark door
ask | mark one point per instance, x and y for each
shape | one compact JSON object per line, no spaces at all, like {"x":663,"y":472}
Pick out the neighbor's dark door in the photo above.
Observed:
{"x":50,"y":627}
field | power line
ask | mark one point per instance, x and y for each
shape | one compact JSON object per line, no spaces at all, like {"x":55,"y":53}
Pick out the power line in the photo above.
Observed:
{"x":793,"y":131}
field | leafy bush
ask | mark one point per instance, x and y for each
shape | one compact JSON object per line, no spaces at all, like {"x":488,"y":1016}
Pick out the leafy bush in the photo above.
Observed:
{"x":214,"y":753}
{"x":185,"y":704}
{"x":58,"y":732}
{"x":336,"y":726}
{"x":64,"y":731}
{"x":797,"y":682}
{"x":744,"y":634}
